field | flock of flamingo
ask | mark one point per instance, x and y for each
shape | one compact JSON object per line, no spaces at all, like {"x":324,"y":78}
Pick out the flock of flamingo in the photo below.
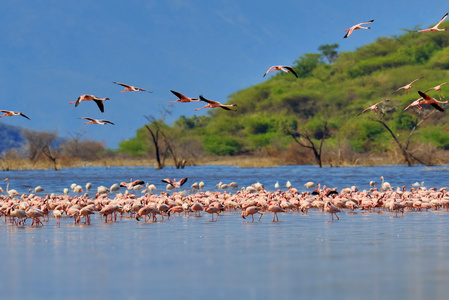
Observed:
{"x":109,"y":202}
{"x":114,"y":204}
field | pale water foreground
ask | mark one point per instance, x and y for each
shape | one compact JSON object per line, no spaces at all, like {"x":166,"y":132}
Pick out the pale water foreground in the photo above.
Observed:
{"x":369,"y":256}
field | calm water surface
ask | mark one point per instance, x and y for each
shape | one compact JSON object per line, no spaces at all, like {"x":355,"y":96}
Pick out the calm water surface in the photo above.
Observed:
{"x":369,"y":256}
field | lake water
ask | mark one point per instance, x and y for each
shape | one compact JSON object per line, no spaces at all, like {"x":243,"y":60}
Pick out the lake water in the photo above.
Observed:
{"x":363,"y":255}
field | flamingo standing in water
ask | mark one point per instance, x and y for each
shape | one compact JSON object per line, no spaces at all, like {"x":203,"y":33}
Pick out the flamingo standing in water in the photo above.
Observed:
{"x":332,"y":209}
{"x":10,"y":113}
{"x":286,"y":69}
{"x":95,"y":121}
{"x":438,"y":89}
{"x":407,"y":87}
{"x":183,"y":98}
{"x":130,"y":88}
{"x":435,"y":27}
{"x":215,"y":104}
{"x":251,"y":210}
{"x":372,"y":107}
{"x":357,"y":26}
{"x":97,"y":100}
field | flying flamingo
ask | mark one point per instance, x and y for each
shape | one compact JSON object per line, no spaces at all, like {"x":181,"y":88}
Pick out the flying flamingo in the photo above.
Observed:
{"x":11,"y":113}
{"x":95,"y":121}
{"x":175,"y":184}
{"x":214,"y":104}
{"x":358,"y":26}
{"x":183,"y":98}
{"x":285,"y":69}
{"x":417,"y":103}
{"x":431,"y":101}
{"x":407,"y":87}
{"x":97,"y":100}
{"x":372,"y":107}
{"x":130,"y":88}
{"x":438,"y":89}
{"x":435,"y":28}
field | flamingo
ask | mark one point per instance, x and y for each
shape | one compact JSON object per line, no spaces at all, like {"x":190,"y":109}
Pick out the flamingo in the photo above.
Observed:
{"x":407,"y":87}
{"x":385,"y":185}
{"x":215,"y":104}
{"x":285,"y":69}
{"x":417,"y":103}
{"x":173,"y":183}
{"x":35,"y":214}
{"x":358,"y":26}
{"x":435,"y":27}
{"x":130,"y":88}
{"x":57,"y":214}
{"x":431,"y":101}
{"x":213,"y":210}
{"x":95,"y":121}
{"x":11,"y":193}
{"x":438,"y":89}
{"x":275,"y":209}
{"x":251,"y":210}
{"x":372,"y":107}
{"x":131,"y":184}
{"x":333,"y":210}
{"x":97,"y":100}
{"x":10,"y":113}
{"x":183,"y":98}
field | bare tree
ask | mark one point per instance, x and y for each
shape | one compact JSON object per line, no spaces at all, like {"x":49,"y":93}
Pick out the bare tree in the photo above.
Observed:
{"x":39,"y":143}
{"x":404,"y":146}
{"x":304,"y":139}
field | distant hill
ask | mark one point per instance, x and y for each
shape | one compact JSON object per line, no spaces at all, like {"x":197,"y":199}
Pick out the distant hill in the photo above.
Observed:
{"x":11,"y":137}
{"x":332,"y":93}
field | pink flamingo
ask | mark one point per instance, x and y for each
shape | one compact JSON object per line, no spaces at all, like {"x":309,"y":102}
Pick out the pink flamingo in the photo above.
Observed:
{"x":333,"y":210}
{"x":213,"y":210}
{"x":438,"y":89}
{"x":251,"y":210}
{"x":358,"y":26}
{"x":285,"y":69}
{"x":407,"y":87}
{"x":10,"y":113}
{"x":417,"y":103}
{"x":215,"y":104}
{"x":175,"y":184}
{"x":372,"y":107}
{"x":97,"y":100}
{"x":275,"y":209}
{"x":431,"y":101}
{"x":95,"y":121}
{"x":183,"y":98}
{"x":435,"y":27}
{"x":130,"y":88}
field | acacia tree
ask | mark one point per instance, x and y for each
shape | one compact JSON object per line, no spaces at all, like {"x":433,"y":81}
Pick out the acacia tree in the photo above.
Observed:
{"x":304,"y":139}
{"x":163,"y":140}
{"x":329,"y":51}
{"x":404,"y":146}
{"x":39,"y":143}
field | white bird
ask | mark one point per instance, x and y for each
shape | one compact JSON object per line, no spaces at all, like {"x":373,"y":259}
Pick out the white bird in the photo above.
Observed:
{"x":309,"y":184}
{"x":435,"y":27}
{"x":95,"y":121}
{"x":130,"y":88}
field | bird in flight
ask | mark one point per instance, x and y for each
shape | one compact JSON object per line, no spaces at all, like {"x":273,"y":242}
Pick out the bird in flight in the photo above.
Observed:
{"x":10,"y":113}
{"x":407,"y":87}
{"x":214,"y":104}
{"x":286,"y":69}
{"x":183,"y":98}
{"x":130,"y":88}
{"x":174,"y":183}
{"x":358,"y":26}
{"x":372,"y":107}
{"x":95,"y":121}
{"x":416,"y":103}
{"x":431,"y":101}
{"x":97,"y":100}
{"x":438,"y":89}
{"x":435,"y":27}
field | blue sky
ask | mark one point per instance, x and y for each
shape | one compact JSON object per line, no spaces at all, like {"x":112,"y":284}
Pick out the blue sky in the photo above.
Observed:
{"x":54,"y":51}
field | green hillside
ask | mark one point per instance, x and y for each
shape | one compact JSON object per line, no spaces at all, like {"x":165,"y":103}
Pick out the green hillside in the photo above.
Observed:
{"x":325,"y":101}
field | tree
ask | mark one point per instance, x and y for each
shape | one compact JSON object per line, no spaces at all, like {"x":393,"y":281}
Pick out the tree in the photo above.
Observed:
{"x":39,"y":143}
{"x":304,"y":139}
{"x":329,"y":51}
{"x":307,"y":63}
